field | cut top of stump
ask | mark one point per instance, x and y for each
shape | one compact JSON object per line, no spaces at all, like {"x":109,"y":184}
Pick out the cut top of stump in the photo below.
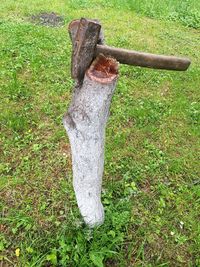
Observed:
{"x":103,"y":69}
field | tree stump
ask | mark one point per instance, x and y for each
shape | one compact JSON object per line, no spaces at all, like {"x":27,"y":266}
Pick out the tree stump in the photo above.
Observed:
{"x":85,"y":124}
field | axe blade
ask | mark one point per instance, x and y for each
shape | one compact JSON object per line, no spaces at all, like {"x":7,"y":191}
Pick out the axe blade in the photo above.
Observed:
{"x":84,"y":46}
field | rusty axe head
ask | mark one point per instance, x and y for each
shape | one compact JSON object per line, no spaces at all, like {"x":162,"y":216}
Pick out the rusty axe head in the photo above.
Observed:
{"x":85,"y":34}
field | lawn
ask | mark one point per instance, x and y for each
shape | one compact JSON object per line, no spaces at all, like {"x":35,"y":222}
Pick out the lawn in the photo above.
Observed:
{"x":151,"y":185}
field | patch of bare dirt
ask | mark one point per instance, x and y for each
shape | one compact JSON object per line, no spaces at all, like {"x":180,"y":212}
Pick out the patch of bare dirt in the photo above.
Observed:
{"x":48,"y":19}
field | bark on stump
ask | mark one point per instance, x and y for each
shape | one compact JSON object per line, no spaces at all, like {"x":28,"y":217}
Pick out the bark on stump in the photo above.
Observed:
{"x":85,"y":124}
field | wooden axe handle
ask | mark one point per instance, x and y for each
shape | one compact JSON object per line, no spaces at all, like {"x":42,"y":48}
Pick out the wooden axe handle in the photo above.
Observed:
{"x":142,"y":59}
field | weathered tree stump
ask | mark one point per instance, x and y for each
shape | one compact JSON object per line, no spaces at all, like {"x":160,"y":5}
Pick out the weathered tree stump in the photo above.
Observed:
{"x":85,"y":123}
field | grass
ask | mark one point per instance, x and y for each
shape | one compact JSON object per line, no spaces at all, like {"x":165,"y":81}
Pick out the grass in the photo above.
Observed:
{"x":151,"y":187}
{"x":186,"y":12}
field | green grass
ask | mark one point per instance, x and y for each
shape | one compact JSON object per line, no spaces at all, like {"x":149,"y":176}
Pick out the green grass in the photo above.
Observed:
{"x":151,"y":189}
{"x":187,"y":12}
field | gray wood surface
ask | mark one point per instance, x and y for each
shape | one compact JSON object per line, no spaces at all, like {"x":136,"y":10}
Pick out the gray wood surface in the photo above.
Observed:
{"x":85,"y":124}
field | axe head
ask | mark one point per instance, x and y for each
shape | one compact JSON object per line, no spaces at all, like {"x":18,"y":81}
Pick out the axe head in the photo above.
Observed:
{"x":85,"y":34}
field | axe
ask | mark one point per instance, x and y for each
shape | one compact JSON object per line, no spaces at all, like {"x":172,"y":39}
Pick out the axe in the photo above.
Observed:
{"x":87,"y":39}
